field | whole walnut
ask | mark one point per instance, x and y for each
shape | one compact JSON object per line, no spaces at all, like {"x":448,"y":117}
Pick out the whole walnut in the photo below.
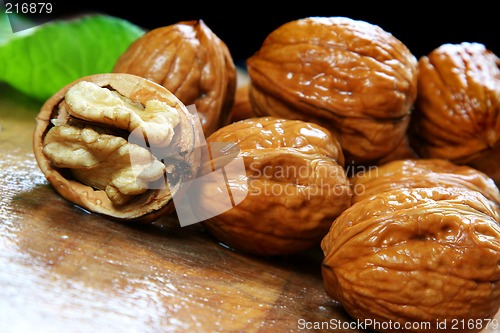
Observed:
{"x":457,"y":111}
{"x":416,"y":260}
{"x":192,"y":62}
{"x":293,"y":184}
{"x":350,"y":76}
{"x":242,"y":108}
{"x":117,"y":145}
{"x":402,"y":152}
{"x":423,"y":173}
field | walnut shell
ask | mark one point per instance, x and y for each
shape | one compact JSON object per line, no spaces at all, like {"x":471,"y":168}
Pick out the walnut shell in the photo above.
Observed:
{"x":192,"y":62}
{"x":242,"y":108}
{"x":349,"y":76}
{"x":295,"y":183}
{"x":423,"y":173}
{"x":458,"y":105}
{"x":402,"y":152}
{"x":413,"y":256}
{"x":87,"y":142}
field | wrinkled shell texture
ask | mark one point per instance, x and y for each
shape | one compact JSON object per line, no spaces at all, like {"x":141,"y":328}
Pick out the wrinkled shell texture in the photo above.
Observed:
{"x":242,"y":108}
{"x":190,"y":61}
{"x":87,"y":142}
{"x":349,"y":76}
{"x":424,"y":247}
{"x":458,"y":105}
{"x":295,"y":181}
{"x":424,"y":173}
{"x":403,"y":151}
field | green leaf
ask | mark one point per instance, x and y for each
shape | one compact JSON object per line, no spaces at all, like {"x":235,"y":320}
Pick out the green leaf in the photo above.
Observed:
{"x":41,"y":60}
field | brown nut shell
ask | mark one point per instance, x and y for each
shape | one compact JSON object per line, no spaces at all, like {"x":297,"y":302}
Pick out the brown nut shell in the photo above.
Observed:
{"x":83,"y":144}
{"x":192,"y":62}
{"x":403,"y":151}
{"x":295,"y":183}
{"x":242,"y":108}
{"x":349,"y":76}
{"x":458,"y":105}
{"x":423,"y":173}
{"x":416,"y":257}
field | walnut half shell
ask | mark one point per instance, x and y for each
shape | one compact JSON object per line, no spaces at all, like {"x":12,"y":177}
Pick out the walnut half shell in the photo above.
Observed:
{"x":117,"y":145}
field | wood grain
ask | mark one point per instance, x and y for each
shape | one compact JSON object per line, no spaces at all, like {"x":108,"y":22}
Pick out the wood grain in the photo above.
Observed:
{"x":63,"y":269}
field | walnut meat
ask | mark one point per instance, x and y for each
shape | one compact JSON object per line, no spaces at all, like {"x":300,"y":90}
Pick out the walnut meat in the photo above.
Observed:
{"x":458,"y":105}
{"x":192,"y":62}
{"x":424,"y":173}
{"x":117,"y":145}
{"x":349,"y":76}
{"x":295,"y":186}
{"x":416,"y":255}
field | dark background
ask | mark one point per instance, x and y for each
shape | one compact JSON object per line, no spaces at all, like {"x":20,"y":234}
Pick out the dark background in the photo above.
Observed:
{"x":244,"y":25}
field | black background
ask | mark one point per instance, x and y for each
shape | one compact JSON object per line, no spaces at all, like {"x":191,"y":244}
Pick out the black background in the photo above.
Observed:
{"x":243,"y":25}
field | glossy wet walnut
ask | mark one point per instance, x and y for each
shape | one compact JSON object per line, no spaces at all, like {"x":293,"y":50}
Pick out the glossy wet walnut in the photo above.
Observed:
{"x":423,"y":173}
{"x":414,"y":255}
{"x":457,"y":113}
{"x":293,"y":184}
{"x":349,"y":76}
{"x":117,"y":145}
{"x":191,"y":61}
{"x":242,"y":108}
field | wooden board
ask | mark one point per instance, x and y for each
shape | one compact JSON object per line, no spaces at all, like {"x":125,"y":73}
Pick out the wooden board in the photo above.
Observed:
{"x":65,"y":270}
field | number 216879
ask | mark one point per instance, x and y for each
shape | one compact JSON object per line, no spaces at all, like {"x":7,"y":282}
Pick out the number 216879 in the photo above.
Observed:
{"x":28,"y":8}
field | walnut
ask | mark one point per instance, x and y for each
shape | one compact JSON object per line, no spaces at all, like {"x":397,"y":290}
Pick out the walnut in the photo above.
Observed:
{"x":402,"y":152}
{"x":242,"y":108}
{"x":420,"y":243}
{"x":457,"y":107}
{"x":349,"y":76}
{"x":416,"y":255}
{"x":423,"y":173}
{"x":295,"y":186}
{"x":106,"y":143}
{"x":192,"y":62}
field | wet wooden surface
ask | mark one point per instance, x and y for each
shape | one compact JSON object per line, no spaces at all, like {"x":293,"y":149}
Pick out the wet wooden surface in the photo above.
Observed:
{"x":65,"y":270}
